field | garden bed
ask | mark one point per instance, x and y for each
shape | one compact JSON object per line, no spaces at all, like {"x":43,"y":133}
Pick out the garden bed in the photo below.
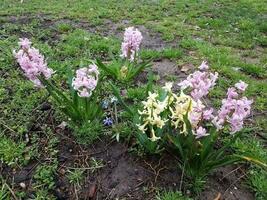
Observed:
{"x":42,"y":157}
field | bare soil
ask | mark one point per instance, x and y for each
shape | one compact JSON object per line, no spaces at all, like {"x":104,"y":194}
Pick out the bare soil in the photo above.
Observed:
{"x":151,"y":40}
{"x":123,"y":174}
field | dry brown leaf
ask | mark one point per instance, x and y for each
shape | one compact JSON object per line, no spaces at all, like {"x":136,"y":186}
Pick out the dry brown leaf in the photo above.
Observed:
{"x":218,"y":196}
{"x":186,"y":67}
{"x":92,"y":191}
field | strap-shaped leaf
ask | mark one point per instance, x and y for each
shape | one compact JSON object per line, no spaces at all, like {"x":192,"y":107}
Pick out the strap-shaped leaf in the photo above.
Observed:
{"x":63,"y":101}
{"x":226,"y":160}
{"x":137,"y":69}
{"x":150,"y":146}
{"x":117,"y":94}
{"x":176,"y":141}
{"x":208,"y":143}
{"x":220,"y":152}
{"x":253,"y":160}
{"x":150,"y":82}
{"x":105,"y":68}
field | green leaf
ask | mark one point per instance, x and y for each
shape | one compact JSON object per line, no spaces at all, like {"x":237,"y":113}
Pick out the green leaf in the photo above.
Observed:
{"x":208,"y":144}
{"x":117,"y":94}
{"x":106,"y":69}
{"x":176,"y":141}
{"x":150,"y":146}
{"x":220,"y":152}
{"x":150,"y":82}
{"x":135,"y":70}
{"x":226,"y":160}
{"x":253,"y":160}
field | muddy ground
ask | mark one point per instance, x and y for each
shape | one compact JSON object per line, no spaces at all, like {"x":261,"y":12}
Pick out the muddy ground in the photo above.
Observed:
{"x":151,"y":40}
{"x":123,"y":174}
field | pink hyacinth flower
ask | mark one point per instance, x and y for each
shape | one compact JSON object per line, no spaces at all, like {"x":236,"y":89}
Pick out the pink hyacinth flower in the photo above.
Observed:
{"x":241,"y":85}
{"x":231,"y":93}
{"x":32,"y":62}
{"x":24,"y":43}
{"x":199,"y":82}
{"x":203,"y":66}
{"x":86,"y":80}
{"x":236,"y":123}
{"x":207,"y":114}
{"x":201,"y":132}
{"x":234,"y":109}
{"x":131,"y":43}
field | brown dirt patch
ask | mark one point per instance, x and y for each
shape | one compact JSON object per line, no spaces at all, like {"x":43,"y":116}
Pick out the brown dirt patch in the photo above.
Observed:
{"x":124,"y":175}
{"x":168,"y":71}
{"x":152,"y":40}
{"x":228,"y":182}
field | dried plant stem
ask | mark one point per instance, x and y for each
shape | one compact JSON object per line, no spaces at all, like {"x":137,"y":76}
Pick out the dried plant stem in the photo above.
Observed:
{"x":182,"y":177}
{"x":11,"y":191}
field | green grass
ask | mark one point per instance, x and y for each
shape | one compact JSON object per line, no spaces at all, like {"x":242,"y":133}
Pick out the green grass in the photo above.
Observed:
{"x":257,"y":182}
{"x":229,"y":34}
{"x":75,"y":176}
{"x":44,"y":176}
{"x":136,"y":94}
{"x":169,"y":195}
{"x":88,"y":132}
{"x":10,"y":152}
{"x":4,"y":193}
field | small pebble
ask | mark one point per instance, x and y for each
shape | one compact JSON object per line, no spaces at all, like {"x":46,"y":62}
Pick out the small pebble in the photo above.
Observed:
{"x":62,"y":171}
{"x":92,"y":191}
{"x":62,"y":125}
{"x":236,"y":68}
{"x":22,"y":185}
{"x":45,"y":106}
{"x":27,"y":138}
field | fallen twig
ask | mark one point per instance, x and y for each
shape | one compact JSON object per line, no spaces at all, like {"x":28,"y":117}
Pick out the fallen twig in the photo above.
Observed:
{"x":11,"y":191}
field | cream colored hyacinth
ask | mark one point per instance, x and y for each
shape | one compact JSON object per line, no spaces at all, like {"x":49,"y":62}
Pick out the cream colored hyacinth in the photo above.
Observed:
{"x":182,"y":105}
{"x":152,"y":111}
{"x":151,"y":114}
{"x":177,"y":105}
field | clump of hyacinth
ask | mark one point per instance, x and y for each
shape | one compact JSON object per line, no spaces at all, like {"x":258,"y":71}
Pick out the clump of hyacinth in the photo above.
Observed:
{"x":235,"y":108}
{"x":131,"y":43}
{"x":196,"y":110}
{"x":86,"y":80}
{"x":200,"y":82}
{"x":176,"y":107}
{"x":32,"y":62}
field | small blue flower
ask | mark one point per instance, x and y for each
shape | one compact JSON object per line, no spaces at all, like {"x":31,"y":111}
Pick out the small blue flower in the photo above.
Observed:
{"x":108,"y":121}
{"x":105,"y":104}
{"x":113,"y":99}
